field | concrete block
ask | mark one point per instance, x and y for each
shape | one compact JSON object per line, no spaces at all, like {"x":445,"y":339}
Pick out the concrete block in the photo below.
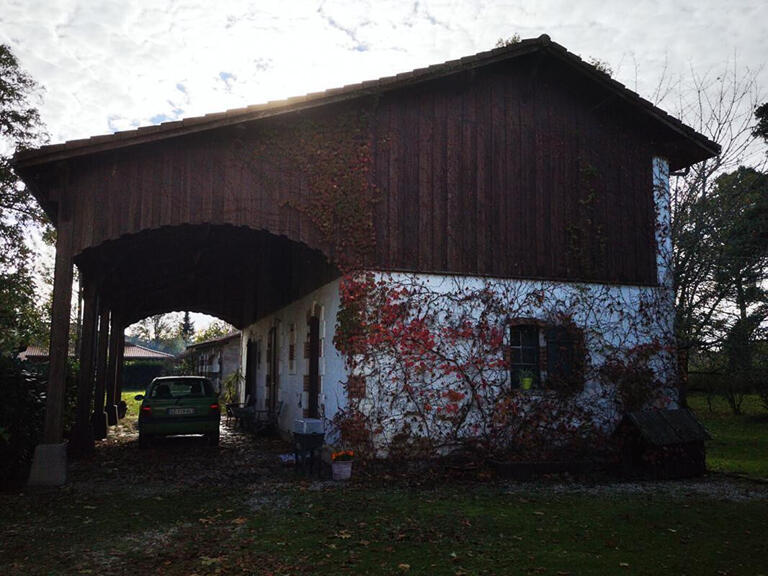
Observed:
{"x":111,"y":414}
{"x":49,"y":465}
{"x":99,"y":421}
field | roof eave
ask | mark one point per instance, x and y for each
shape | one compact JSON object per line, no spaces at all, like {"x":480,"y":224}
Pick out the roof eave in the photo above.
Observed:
{"x":146,"y":134}
{"x":695,"y":148}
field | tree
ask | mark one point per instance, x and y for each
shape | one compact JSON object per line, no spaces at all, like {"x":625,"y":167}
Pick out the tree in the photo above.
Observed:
{"x":214,"y":330}
{"x":761,"y":130}
{"x":21,"y":317}
{"x":187,"y":328}
{"x":719,"y":105}
{"x":510,"y":41}
{"x":157,"y":329}
{"x":738,"y":206}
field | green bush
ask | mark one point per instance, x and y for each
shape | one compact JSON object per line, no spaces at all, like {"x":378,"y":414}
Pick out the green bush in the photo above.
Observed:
{"x":230,"y":387}
{"x":137,"y":374}
{"x":732,"y":386}
{"x":761,"y":384}
{"x":23,"y":391}
{"x":21,"y":419}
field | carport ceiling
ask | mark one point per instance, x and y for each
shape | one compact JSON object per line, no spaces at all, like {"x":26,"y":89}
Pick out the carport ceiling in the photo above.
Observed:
{"x":234,"y":273}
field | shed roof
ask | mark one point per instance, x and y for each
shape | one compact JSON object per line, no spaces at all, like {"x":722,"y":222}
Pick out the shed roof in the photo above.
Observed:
{"x":667,"y":427}
{"x":697,"y":147}
{"x":214,"y":341}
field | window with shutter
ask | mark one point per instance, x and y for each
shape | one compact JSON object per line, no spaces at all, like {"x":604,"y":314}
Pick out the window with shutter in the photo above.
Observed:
{"x":550,"y":354}
{"x":524,"y":352}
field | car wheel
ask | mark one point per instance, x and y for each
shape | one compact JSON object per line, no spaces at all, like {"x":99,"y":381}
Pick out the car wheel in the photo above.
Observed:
{"x":213,"y":438}
{"x":143,"y":441}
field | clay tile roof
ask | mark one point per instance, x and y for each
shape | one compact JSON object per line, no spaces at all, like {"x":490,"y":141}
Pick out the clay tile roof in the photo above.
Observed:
{"x":33,"y":353}
{"x":543,"y":43}
{"x":134,"y":351}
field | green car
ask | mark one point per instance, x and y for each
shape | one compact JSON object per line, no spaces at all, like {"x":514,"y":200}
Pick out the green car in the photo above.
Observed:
{"x":179,"y":405}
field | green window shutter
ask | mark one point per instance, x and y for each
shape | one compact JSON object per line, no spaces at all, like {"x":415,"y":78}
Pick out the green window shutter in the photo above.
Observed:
{"x":560,"y":353}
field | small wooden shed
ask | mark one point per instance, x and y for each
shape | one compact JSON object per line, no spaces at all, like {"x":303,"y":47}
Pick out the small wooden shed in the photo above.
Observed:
{"x":662,"y":444}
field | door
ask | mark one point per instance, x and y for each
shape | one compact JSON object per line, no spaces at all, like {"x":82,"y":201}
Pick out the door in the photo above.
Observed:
{"x":251,"y":358}
{"x":273,"y":376}
{"x":314,"y":366}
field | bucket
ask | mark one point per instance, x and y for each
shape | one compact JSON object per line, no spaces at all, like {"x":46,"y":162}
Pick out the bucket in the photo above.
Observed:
{"x":341,"y":470}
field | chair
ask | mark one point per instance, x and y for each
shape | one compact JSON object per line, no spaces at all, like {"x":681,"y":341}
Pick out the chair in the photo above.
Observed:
{"x":241,"y":411}
{"x":266,"y":420}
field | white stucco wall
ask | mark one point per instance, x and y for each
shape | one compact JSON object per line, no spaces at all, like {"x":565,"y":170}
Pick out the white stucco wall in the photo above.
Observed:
{"x":324,"y":303}
{"x":611,"y":318}
{"x":614,"y":321}
{"x":663,"y":233}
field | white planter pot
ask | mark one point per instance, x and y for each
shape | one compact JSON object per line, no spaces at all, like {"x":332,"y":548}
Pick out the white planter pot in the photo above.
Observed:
{"x":341,"y":470}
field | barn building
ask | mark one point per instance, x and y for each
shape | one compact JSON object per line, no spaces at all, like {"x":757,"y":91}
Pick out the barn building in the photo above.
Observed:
{"x":513,"y":206}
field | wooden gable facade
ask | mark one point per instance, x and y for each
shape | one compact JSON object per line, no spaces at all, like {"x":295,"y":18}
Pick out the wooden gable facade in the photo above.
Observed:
{"x":520,"y":170}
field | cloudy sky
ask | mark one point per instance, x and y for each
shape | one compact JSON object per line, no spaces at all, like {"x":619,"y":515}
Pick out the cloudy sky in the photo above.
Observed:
{"x":116,"y":65}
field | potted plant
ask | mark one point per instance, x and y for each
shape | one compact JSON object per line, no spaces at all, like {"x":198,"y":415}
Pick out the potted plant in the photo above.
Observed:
{"x":341,"y":464}
{"x":526,"y":378}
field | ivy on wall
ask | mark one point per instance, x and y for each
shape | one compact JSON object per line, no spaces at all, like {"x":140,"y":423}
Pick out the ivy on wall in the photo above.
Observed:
{"x":431,"y":352}
{"x":332,"y":153}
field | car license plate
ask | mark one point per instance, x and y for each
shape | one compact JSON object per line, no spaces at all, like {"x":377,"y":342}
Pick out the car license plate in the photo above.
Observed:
{"x":180,"y":411}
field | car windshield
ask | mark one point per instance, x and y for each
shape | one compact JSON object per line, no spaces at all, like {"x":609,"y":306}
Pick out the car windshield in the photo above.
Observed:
{"x":181,"y":388}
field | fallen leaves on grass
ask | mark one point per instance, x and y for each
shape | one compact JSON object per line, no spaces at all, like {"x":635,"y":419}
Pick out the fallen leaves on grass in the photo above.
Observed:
{"x":208,"y":561}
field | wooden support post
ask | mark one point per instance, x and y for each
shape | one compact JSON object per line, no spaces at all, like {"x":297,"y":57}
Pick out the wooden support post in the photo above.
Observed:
{"x":114,"y":352}
{"x":120,"y":371}
{"x":82,"y":437}
{"x":49,"y":464}
{"x":99,"y":417}
{"x":59,"y":350}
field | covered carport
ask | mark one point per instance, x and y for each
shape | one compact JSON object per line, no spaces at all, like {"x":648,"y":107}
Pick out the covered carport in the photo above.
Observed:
{"x":185,"y":216}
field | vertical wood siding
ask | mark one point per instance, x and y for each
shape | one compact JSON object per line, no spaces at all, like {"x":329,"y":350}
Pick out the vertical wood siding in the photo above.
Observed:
{"x":513,"y":173}
{"x":516,"y":170}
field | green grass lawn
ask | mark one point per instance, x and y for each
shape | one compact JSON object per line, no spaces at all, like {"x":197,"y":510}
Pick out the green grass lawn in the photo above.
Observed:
{"x":739,"y":443}
{"x":132,"y":404}
{"x":131,"y":511}
{"x":456,"y":529}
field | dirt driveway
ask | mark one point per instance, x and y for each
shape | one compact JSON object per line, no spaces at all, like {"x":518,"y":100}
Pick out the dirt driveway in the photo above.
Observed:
{"x":180,"y":462}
